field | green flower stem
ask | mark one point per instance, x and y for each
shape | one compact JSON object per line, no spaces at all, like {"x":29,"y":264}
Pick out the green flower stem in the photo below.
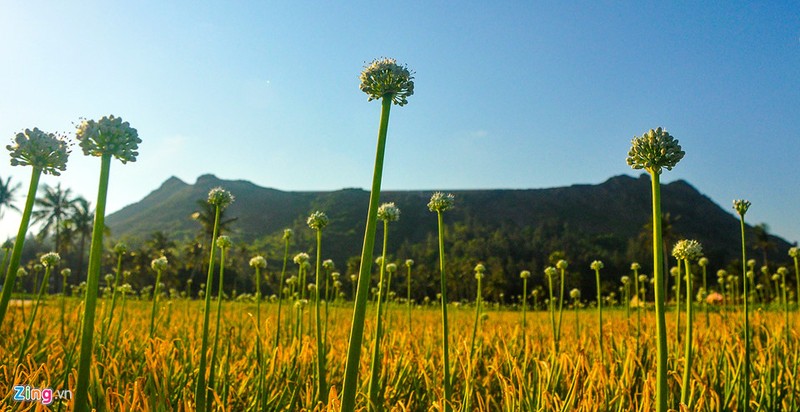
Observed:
{"x":375,"y":368}
{"x":213,"y":366}
{"x":785,"y":302}
{"x":627,"y":288}
{"x":280,"y":291}
{"x":678,"y":304}
{"x":797,"y":281}
{"x":662,"y":386}
{"x":524,"y":302}
{"x":408,"y":299}
{"x":201,"y":389}
{"x":561,"y":301}
{"x":445,"y":341}
{"x":155,"y":305}
{"x":110,"y":318}
{"x":469,"y":386}
{"x":552,"y":314}
{"x":92,"y":283}
{"x":599,"y":314}
{"x":577,"y":321}
{"x":638,"y":308}
{"x":63,"y":304}
{"x":28,"y":331}
{"x":16,"y":254}
{"x":687,"y":369}
{"x":322,"y":387}
{"x":350,"y":385}
{"x":705,"y":301}
{"x":745,"y":381}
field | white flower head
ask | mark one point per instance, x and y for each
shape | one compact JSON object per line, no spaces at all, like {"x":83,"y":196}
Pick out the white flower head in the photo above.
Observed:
{"x":388,"y":212}
{"x":258,"y":262}
{"x":317,"y":220}
{"x":47,"y":151}
{"x":596,"y":265}
{"x":220,"y":197}
{"x":741,"y":206}
{"x":224,"y":242}
{"x":300,"y":258}
{"x":109,"y":135}
{"x":50,"y":259}
{"x":160,"y":264}
{"x":654,"y":150}
{"x":441,"y":202}
{"x":384,"y":78}
{"x":687,"y":249}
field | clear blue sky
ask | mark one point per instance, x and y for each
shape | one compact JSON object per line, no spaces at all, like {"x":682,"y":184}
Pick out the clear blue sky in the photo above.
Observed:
{"x":512,"y":95}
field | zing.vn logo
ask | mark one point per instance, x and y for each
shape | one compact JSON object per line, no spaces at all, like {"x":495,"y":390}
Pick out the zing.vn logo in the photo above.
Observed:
{"x":45,"y":396}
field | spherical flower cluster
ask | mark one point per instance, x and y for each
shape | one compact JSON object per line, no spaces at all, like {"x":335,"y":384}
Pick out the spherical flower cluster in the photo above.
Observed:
{"x":575,"y":294}
{"x":388,"y":212}
{"x":688,"y":249}
{"x":66,"y":272}
{"x":596,"y":265}
{"x":220,"y":197}
{"x":379,"y":260}
{"x":479,"y":271}
{"x":111,"y":136}
{"x":385,"y":78}
{"x":258,"y":262}
{"x":300,"y":258}
{"x":654,"y":150}
{"x":783,"y":271}
{"x":335,"y":276}
{"x":703,"y":262}
{"x":36,"y":148}
{"x":525,"y":274}
{"x":561,"y":264}
{"x":391,"y":267}
{"x":120,"y":248}
{"x":317,"y":220}
{"x":625,"y":280}
{"x":224,"y":242}
{"x":550,"y":271}
{"x":642,"y":278}
{"x":160,"y":264}
{"x":287,"y":234}
{"x":409,"y":262}
{"x":741,"y":206}
{"x":635,"y":266}
{"x":50,"y":259}
{"x":765,"y":269}
{"x":794,"y":252}
{"x":751,"y":263}
{"x":441,"y":202}
{"x":21,"y":272}
{"x":327,"y":264}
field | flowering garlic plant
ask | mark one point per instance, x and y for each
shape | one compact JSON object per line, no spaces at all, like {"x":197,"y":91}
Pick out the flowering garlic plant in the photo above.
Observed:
{"x":317,"y":221}
{"x":105,"y":138}
{"x":390,"y":82}
{"x":686,"y":251}
{"x":46,"y":153}
{"x":741,"y":206}
{"x":653,"y":151}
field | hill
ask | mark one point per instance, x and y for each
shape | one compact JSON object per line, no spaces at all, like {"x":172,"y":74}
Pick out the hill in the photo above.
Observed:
{"x":509,"y":229}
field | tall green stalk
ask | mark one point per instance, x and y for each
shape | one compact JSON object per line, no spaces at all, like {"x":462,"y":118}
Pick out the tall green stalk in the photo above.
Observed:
{"x":120,"y":249}
{"x":383,"y":79}
{"x":440,"y":203}
{"x":46,"y":153}
{"x":258,"y":263}
{"x":318,"y":221}
{"x":524,"y":275}
{"x":549,"y":272}
{"x":220,"y":199}
{"x":639,"y":301}
{"x":159,"y":265}
{"x":287,"y":236}
{"x":19,"y":242}
{"x":107,"y":137}
{"x":409,"y":263}
{"x":794,"y":253}
{"x":596,"y":266}
{"x":561,"y":265}
{"x":686,"y":250}
{"x":375,"y":366}
{"x":741,"y":207}
{"x":224,"y":244}
{"x":49,"y":260}
{"x":703,"y":262}
{"x":92,"y":283}
{"x":64,"y":275}
{"x":653,"y":151}
{"x":468,"y":387}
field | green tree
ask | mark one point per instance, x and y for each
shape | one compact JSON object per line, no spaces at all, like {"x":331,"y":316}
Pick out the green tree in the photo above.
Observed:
{"x":7,"y":194}
{"x":79,"y":224}
{"x":53,"y":208}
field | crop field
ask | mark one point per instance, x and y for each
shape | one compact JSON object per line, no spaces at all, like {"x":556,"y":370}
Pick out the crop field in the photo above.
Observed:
{"x":514,"y":367}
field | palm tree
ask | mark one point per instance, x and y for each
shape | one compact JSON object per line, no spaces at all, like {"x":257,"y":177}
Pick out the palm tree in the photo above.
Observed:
{"x":79,"y":223}
{"x":205,"y":216}
{"x":7,"y":194}
{"x":53,"y":208}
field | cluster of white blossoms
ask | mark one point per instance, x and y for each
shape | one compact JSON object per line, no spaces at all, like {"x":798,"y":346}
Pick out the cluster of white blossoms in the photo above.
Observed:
{"x":47,"y":151}
{"x":654,"y":150}
{"x":109,"y":135}
{"x":385,"y":78}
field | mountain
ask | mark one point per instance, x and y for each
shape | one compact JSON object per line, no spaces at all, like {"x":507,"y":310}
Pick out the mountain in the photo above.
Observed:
{"x":512,"y":228}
